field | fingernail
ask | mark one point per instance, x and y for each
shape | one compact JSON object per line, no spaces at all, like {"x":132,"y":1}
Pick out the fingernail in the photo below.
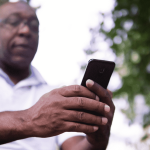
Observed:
{"x":89,"y":82}
{"x":104,"y":121}
{"x":95,"y":128}
{"x":97,"y":98}
{"x":107,"y":108}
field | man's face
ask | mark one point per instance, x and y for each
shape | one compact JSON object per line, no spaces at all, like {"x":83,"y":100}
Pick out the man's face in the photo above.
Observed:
{"x":18,"y":35}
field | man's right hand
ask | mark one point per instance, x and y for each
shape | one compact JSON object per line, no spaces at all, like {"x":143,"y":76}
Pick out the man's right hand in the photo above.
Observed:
{"x":66,"y":109}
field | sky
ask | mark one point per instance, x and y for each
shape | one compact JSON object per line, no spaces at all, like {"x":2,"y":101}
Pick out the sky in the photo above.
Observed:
{"x":64,"y":34}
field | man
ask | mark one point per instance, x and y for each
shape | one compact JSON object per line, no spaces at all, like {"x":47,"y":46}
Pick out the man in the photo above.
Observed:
{"x":31,"y":119}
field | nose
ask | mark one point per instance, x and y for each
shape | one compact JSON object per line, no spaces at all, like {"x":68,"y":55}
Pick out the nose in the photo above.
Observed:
{"x":24,"y":30}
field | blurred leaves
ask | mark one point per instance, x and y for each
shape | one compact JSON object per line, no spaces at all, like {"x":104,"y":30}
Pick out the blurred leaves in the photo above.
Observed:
{"x":144,"y":137}
{"x":146,"y":120}
{"x":129,"y":38}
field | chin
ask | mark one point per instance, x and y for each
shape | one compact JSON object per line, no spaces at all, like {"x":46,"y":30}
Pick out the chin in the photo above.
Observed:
{"x":19,"y":66}
{"x":20,"y":63}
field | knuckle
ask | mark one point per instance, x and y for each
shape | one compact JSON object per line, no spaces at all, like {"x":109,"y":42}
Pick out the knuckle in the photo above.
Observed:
{"x":106,"y":95}
{"x":76,"y":88}
{"x":55,"y":91}
{"x":55,"y":118}
{"x":98,"y":107}
{"x":56,"y":103}
{"x":54,"y":125}
{"x":94,"y":120}
{"x":80,"y":102}
{"x":98,"y":120}
{"x":56,"y":121}
{"x":89,"y":129}
{"x":76,"y":127}
{"x":80,"y":115}
{"x":68,"y":101}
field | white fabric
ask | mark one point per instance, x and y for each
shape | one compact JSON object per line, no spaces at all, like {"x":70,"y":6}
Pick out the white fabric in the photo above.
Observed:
{"x":22,"y":96}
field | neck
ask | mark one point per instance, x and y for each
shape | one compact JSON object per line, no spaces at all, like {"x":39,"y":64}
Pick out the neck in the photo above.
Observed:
{"x":16,"y":75}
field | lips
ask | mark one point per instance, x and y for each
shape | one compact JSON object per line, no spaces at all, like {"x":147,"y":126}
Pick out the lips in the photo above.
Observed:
{"x":22,"y":50}
{"x":21,"y":46}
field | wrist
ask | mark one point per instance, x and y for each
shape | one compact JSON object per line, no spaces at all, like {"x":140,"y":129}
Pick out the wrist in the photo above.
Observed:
{"x":14,"y":126}
{"x":25,"y":125}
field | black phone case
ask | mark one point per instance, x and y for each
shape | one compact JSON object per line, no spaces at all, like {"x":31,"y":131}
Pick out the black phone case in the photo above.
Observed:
{"x":99,"y":71}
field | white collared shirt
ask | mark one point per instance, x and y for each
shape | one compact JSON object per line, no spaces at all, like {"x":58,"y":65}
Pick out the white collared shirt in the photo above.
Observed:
{"x":22,"y":96}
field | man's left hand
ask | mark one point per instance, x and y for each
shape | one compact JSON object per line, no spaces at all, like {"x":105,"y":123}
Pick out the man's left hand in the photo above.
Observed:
{"x":100,"y":138}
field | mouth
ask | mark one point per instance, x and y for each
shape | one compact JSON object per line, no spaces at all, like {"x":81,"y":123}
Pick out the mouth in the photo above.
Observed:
{"x":22,"y":50}
{"x":22,"y":46}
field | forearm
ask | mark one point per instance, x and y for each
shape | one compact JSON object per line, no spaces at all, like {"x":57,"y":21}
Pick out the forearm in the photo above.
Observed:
{"x":14,"y":126}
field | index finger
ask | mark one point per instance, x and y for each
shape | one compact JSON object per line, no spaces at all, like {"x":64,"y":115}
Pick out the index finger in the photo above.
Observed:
{"x":77,"y":91}
{"x":82,"y":103}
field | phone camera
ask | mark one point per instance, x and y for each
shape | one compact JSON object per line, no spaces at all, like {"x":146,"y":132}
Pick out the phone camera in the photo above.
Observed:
{"x":101,"y":70}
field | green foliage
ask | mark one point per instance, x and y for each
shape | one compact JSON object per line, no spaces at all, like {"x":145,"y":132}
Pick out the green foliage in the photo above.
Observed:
{"x":146,"y":120}
{"x":132,"y":21}
{"x":130,"y":41}
{"x":144,"y":137}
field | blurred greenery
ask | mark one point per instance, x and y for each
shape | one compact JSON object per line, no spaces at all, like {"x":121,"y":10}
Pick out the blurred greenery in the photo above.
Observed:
{"x":129,"y":38}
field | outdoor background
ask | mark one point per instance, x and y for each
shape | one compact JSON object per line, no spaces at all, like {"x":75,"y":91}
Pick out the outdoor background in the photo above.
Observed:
{"x":74,"y":31}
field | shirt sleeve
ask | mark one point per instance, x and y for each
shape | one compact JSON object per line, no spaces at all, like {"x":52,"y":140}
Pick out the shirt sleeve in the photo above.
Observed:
{"x":66,"y":135}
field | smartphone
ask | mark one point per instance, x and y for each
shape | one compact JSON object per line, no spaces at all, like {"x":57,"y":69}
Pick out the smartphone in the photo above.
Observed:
{"x":99,"y":71}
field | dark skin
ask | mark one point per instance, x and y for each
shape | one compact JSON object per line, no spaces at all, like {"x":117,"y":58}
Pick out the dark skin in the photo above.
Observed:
{"x":16,"y":50}
{"x":61,"y":110}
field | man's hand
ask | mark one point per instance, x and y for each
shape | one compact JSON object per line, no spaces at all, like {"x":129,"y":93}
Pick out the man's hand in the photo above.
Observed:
{"x":100,"y":138}
{"x":71,"y":108}
{"x":96,"y":140}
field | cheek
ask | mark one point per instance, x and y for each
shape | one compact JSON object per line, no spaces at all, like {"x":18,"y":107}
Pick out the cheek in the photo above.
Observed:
{"x":35,"y":41}
{"x":3,"y":46}
{"x":4,"y":53}
{"x":5,"y":38}
{"x":37,"y":38}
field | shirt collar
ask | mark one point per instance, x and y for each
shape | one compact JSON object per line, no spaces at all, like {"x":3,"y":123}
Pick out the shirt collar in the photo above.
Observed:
{"x":5,"y":76}
{"x":35,"y":78}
